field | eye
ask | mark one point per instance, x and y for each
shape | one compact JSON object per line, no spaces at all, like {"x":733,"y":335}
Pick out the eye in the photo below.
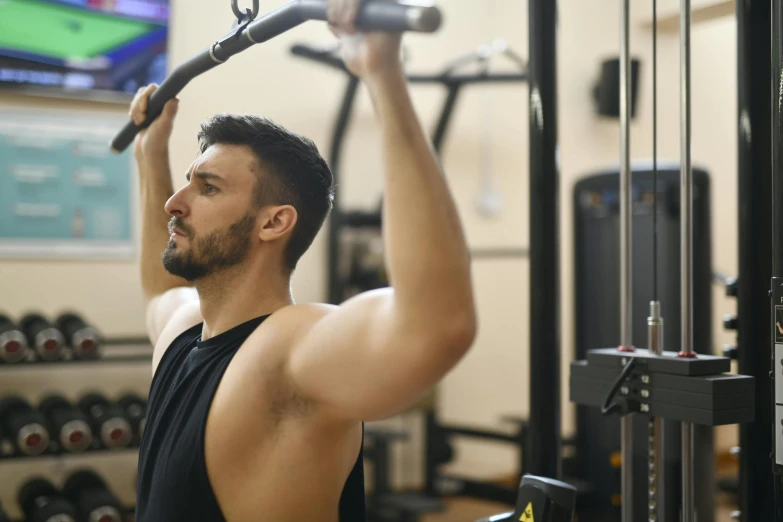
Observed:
{"x":210,"y":188}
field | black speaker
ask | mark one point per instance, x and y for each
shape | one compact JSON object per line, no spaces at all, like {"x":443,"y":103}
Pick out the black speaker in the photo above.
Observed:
{"x":606,"y":92}
{"x":597,"y":325}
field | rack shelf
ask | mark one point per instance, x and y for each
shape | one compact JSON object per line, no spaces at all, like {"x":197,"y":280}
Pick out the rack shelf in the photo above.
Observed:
{"x":65,"y":455}
{"x":111,"y":354}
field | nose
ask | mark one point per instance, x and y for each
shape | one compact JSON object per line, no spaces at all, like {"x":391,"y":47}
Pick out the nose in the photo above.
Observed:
{"x":177,"y":205}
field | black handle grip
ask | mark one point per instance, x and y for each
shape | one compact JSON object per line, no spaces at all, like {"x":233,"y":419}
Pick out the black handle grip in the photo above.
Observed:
{"x":383,"y":15}
{"x":167,"y":90}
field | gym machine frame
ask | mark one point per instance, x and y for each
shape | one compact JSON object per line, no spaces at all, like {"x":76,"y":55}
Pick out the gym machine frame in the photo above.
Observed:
{"x":675,"y":386}
{"x":776,"y":281}
{"x":756,"y":30}
{"x":453,"y":82}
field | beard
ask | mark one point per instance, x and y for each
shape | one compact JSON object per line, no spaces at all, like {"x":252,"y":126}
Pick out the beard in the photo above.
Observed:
{"x":217,"y":250}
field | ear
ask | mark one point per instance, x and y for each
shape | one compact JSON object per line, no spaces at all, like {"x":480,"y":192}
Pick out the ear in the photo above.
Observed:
{"x":277,"y":222}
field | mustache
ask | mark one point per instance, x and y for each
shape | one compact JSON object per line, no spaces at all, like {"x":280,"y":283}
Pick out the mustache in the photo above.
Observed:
{"x":176,"y":223}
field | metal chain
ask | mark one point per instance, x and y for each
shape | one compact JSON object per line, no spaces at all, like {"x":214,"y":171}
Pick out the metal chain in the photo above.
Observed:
{"x":251,"y":15}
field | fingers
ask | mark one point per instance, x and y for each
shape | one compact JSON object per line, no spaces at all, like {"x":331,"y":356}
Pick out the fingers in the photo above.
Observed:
{"x":170,"y":109}
{"x":332,"y":11}
{"x":138,"y":108}
{"x":342,"y":14}
{"x":350,"y":13}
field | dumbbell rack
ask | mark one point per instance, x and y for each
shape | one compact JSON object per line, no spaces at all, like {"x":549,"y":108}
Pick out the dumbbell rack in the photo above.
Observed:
{"x":116,"y":353}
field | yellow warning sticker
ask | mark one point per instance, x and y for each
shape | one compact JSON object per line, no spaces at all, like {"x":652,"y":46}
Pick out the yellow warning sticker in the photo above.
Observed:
{"x":527,"y":515}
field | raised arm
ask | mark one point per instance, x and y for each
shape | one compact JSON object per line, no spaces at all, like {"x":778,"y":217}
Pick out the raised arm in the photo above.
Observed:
{"x":163,"y":292}
{"x":374,"y":355}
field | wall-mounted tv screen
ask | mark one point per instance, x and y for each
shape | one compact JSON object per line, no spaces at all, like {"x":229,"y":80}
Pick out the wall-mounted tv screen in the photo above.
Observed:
{"x":85,"y":48}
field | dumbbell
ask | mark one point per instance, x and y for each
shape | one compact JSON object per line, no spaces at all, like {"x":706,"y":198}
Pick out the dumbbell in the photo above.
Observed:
{"x":43,"y":337}
{"x":107,"y":420}
{"x":135,"y":410}
{"x":69,"y":424}
{"x":92,"y":498}
{"x":83,"y":339}
{"x":13,"y":343}
{"x":25,"y":426}
{"x":41,"y":502}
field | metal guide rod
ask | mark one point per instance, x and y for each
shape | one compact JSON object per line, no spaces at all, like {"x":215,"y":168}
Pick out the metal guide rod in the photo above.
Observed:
{"x":626,"y":341}
{"x":655,"y":435}
{"x":686,"y":246}
{"x":655,"y":473}
{"x":626,"y":454}
{"x":626,"y":300}
{"x":686,"y":183}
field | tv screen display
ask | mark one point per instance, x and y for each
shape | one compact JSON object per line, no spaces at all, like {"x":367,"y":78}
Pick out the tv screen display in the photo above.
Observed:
{"x":83,"y":47}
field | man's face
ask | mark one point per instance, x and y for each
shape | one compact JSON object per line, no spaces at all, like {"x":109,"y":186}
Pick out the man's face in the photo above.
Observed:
{"x":213,"y":219}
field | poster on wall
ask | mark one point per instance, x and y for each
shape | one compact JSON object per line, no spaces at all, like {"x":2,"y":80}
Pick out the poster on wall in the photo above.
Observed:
{"x":63,"y":193}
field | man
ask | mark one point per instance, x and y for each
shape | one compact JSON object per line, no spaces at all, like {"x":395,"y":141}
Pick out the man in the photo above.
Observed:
{"x":257,"y":404}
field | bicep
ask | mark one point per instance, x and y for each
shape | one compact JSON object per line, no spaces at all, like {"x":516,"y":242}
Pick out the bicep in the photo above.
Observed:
{"x":366,"y":361}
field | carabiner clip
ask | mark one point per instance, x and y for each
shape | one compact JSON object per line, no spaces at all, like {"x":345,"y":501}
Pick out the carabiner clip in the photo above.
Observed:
{"x":250,"y":15}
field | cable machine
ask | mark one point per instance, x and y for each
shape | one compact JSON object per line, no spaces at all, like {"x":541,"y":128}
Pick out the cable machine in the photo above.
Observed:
{"x":677,"y":386}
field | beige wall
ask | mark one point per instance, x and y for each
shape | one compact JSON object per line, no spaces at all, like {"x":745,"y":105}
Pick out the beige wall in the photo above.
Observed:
{"x":489,"y":131}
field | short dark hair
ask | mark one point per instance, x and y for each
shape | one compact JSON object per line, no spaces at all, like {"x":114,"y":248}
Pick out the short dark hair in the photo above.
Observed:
{"x":297,"y":173}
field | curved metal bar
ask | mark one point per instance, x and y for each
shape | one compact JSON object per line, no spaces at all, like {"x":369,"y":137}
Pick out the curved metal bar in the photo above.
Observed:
{"x":374,"y":15}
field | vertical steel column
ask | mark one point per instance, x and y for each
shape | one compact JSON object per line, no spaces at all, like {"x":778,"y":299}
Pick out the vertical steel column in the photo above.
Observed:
{"x":655,"y":428}
{"x":626,"y":250}
{"x":544,"y":445}
{"x":655,"y":435}
{"x":626,"y":216}
{"x":686,"y":247}
{"x":754,"y":172}
{"x":764,"y":387}
{"x":777,"y":140}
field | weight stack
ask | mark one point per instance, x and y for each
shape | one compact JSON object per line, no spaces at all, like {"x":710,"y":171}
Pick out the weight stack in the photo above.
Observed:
{"x":597,"y":325}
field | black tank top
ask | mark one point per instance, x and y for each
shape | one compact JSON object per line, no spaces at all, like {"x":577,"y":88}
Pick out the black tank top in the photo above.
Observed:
{"x":173,"y":485}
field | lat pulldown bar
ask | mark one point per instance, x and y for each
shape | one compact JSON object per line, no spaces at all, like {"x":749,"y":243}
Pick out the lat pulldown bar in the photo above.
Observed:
{"x":374,"y":15}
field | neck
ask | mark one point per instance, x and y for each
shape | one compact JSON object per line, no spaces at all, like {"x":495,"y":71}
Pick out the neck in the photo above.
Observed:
{"x":232,"y":297}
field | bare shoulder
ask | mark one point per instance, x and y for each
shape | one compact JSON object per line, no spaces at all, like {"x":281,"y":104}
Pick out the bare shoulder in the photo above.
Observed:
{"x":185,"y":317}
{"x":284,"y":327}
{"x":300,"y":315}
{"x":272,"y":343}
{"x":260,"y":367}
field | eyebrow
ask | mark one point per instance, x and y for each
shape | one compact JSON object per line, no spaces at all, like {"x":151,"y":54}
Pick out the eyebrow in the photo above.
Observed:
{"x":204,"y":176}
